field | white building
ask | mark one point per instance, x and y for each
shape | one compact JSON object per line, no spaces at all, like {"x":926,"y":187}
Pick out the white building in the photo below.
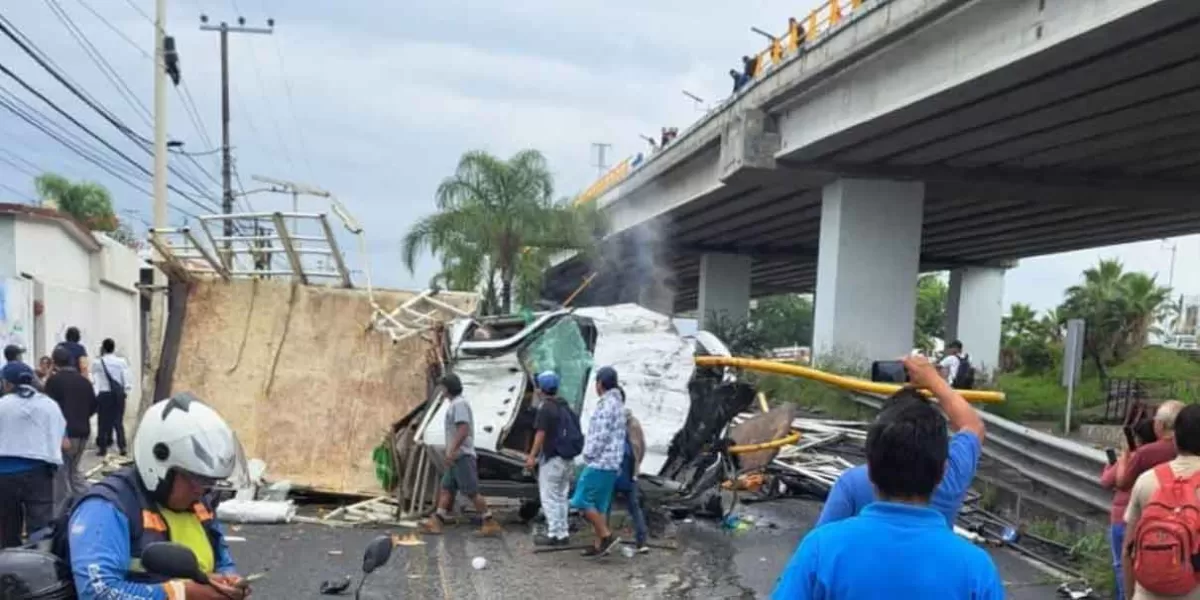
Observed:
{"x":56,"y":274}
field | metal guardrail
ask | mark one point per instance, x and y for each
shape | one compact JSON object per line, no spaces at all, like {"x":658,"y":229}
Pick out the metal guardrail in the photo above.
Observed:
{"x":805,"y":32}
{"x":1069,"y":468}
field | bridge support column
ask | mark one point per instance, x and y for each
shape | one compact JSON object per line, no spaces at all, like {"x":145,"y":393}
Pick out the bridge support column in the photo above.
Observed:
{"x":974,"y":309}
{"x":724,"y":287}
{"x":867,"y":267}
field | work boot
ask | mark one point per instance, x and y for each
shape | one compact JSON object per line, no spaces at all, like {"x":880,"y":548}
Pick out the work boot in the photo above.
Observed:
{"x":490,"y":528}
{"x":432,"y":526}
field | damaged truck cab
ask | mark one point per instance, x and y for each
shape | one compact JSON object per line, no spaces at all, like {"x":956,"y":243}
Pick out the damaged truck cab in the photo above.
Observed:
{"x":684,"y":410}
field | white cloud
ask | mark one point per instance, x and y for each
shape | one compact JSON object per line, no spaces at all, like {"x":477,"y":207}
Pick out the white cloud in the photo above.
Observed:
{"x":389,"y":94}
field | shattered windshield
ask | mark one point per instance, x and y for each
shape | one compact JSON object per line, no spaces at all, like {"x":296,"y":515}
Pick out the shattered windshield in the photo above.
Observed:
{"x":561,"y":348}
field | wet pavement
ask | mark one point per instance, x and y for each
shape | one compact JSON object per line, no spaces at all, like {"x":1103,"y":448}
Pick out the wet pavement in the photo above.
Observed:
{"x":709,"y":563}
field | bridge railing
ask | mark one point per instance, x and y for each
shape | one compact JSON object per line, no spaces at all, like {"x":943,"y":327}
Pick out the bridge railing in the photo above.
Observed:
{"x":820,"y":22}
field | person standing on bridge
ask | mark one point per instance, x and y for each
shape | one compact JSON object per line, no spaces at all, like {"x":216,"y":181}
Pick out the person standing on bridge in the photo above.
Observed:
{"x":898,"y":546}
{"x":854,"y":490}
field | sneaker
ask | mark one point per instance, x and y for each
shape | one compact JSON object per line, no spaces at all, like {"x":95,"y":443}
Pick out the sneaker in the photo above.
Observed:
{"x":101,"y":452}
{"x":642,"y":548}
{"x":608,"y":543}
{"x":432,"y":526}
{"x":544,"y":540}
{"x":490,"y":528}
{"x":591,"y":551}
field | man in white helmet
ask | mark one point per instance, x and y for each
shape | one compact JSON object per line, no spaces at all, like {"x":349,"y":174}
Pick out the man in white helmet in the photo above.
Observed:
{"x":182,"y":448}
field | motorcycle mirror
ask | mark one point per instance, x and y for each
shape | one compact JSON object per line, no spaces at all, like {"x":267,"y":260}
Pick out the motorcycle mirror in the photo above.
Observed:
{"x":172,"y":560}
{"x":377,"y":554}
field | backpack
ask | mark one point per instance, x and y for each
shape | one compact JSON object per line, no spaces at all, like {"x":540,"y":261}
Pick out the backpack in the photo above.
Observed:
{"x":569,"y":442}
{"x":1167,"y":538}
{"x":964,"y":378}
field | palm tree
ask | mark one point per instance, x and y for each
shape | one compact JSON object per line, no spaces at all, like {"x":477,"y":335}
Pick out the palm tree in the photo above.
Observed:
{"x":1020,"y":324}
{"x":1051,"y":326}
{"x":88,"y":202}
{"x":1143,"y":301}
{"x":1119,"y":310}
{"x":496,"y":220}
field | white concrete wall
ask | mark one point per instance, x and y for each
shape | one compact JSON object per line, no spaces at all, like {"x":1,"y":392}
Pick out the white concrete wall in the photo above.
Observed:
{"x":724,"y":287}
{"x":867,"y":269}
{"x":94,"y":291}
{"x":977,"y":297}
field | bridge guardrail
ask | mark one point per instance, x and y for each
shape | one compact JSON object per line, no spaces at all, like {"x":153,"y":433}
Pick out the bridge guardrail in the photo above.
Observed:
{"x":1069,"y":468}
{"x":820,"y":22}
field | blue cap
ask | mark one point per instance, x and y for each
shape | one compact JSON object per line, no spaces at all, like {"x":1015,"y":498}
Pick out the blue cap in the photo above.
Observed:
{"x":607,"y":377}
{"x":17,"y":373}
{"x":547,"y":381}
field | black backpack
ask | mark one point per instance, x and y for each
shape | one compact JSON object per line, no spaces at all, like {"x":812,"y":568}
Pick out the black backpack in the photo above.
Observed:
{"x":964,"y":378}
{"x":569,"y":441}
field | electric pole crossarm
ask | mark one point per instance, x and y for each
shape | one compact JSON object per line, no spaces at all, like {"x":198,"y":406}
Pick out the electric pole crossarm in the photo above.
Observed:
{"x":226,"y":156}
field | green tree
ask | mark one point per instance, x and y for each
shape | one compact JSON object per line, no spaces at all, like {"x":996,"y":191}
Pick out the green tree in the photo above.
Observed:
{"x":932,"y":291}
{"x":784,"y":320}
{"x":1119,"y":310}
{"x":86,"y":201}
{"x":1019,"y":325}
{"x":497,"y":224}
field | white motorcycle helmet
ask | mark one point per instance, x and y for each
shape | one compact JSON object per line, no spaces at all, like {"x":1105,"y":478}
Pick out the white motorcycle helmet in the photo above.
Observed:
{"x":183,"y":433}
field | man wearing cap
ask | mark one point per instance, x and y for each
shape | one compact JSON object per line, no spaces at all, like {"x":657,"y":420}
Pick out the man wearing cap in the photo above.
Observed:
{"x":462,"y":470}
{"x":31,"y":438}
{"x":603,"y":451}
{"x":554,"y":471}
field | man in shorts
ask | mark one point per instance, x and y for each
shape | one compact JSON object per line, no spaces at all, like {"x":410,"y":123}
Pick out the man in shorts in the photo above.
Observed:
{"x":462,"y":473}
{"x":603,"y":450}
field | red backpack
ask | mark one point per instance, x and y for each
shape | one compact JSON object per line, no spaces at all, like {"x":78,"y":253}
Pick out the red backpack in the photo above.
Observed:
{"x":1168,"y":535}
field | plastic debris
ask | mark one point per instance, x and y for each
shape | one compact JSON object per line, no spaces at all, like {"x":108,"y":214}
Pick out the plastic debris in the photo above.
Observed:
{"x":255,"y":511}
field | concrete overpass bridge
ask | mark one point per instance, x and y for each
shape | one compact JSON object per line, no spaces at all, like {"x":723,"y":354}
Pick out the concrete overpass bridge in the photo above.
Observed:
{"x":917,"y":135}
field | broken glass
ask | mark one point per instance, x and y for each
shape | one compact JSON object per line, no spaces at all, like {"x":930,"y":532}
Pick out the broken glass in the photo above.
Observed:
{"x":562,"y":348}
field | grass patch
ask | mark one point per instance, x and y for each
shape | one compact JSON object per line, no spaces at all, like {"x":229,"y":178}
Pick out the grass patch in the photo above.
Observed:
{"x":814,"y":395}
{"x":1040,"y":397}
{"x":1091,"y":553}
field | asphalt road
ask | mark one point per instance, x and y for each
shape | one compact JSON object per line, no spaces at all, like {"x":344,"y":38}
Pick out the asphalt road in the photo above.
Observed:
{"x":709,"y":563}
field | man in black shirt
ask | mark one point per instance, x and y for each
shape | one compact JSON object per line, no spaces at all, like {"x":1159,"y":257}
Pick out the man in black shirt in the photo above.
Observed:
{"x":554,"y":472}
{"x":77,"y":398}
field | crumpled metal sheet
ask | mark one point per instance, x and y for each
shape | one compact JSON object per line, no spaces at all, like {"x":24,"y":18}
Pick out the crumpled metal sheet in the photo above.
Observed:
{"x":653,"y":363}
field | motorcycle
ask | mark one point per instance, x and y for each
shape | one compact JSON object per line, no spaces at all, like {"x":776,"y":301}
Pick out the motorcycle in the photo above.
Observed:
{"x":27,"y":574}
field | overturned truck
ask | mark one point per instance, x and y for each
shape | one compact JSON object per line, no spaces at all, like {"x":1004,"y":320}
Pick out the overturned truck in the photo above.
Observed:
{"x":685,"y":411}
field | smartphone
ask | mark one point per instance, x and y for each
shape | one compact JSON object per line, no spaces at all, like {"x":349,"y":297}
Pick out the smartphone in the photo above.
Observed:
{"x":889,"y":371}
{"x":1112,"y":455}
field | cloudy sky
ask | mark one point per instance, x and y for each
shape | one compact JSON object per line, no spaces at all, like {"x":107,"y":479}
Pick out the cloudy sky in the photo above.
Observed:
{"x":385,"y":96}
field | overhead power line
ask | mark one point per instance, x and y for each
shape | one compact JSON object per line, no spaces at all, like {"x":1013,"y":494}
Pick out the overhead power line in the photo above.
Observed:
{"x":18,"y":193}
{"x":98,"y":162}
{"x":106,"y":69}
{"x":40,"y":96}
{"x":48,"y":65}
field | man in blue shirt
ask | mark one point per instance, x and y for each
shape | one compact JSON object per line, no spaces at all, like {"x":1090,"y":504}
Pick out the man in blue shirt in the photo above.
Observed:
{"x":853,"y":490}
{"x":897,"y":547}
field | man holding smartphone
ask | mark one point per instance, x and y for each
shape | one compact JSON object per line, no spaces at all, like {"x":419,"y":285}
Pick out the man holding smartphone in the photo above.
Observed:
{"x":853,"y":491}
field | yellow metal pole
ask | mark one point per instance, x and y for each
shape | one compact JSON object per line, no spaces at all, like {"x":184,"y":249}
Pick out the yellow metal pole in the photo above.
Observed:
{"x":850,"y":383}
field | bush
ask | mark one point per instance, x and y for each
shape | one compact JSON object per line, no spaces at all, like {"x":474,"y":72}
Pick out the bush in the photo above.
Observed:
{"x":1036,"y":358}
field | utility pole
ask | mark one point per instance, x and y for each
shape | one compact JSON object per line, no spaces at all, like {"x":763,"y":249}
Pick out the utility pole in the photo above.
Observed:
{"x":226,"y":160}
{"x":601,"y":151}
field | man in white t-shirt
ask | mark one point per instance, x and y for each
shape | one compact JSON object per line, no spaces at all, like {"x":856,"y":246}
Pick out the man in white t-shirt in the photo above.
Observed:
{"x":113,"y":382}
{"x":949,"y":363}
